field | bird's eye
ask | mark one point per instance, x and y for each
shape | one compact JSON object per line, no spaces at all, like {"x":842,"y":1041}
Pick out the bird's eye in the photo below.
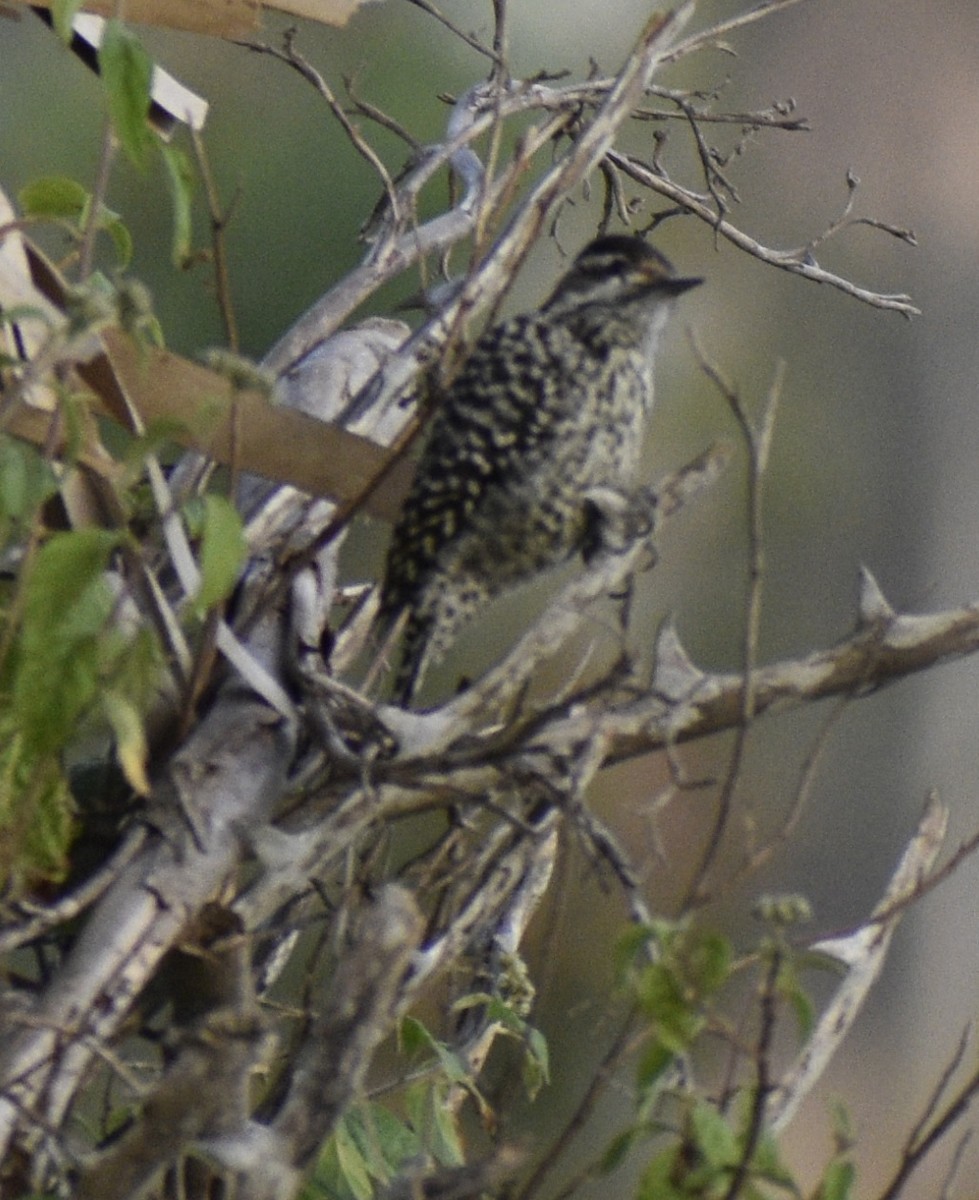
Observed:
{"x":600,"y":268}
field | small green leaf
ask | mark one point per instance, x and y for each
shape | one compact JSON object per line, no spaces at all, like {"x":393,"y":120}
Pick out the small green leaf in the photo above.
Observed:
{"x":36,"y":815}
{"x":536,"y":1069}
{"x":180,"y":177}
{"x":62,"y":14}
{"x":415,"y":1038}
{"x":434,"y":1122}
{"x":223,"y":550}
{"x":353,"y":1168}
{"x":54,"y":196}
{"x":537,"y":1045}
{"x":767,"y":1164}
{"x":26,"y":480}
{"x":629,"y":947}
{"x":131,"y":748}
{"x":654,"y":1061}
{"x":709,"y":962}
{"x":843,"y":1135}
{"x":446,"y":1144}
{"x":664,"y":1000}
{"x":791,"y":989}
{"x":659,"y":1180}
{"x":617,"y":1151}
{"x":51,"y":826}
{"x":384,"y":1140}
{"x":714,"y":1138}
{"x":13,"y":479}
{"x":67,"y":604}
{"x":122,"y":239}
{"x":782,"y":910}
{"x":327,"y":1177}
{"x":453,"y":1065}
{"x":127,"y":73}
{"x":837,"y":1181}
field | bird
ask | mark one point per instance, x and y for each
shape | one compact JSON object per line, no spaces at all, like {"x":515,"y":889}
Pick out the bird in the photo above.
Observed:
{"x":548,"y":409}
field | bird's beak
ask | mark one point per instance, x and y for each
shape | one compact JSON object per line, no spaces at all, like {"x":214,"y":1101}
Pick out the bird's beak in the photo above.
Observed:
{"x":677,"y":287}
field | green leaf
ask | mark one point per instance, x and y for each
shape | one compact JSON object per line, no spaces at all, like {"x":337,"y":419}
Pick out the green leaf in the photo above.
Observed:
{"x":537,"y":1064}
{"x":180,"y":177}
{"x":617,"y":1151}
{"x":659,"y":1180}
{"x":26,"y":480}
{"x":629,"y":947}
{"x":767,"y":1164}
{"x":121,"y":237}
{"x":51,"y":826}
{"x":58,"y":198}
{"x":54,"y":196}
{"x":385,"y":1141}
{"x":327,"y":1179}
{"x":127,"y":73}
{"x":837,"y":1181}
{"x":13,"y":478}
{"x":131,"y":748}
{"x":453,"y":1065}
{"x":446,"y":1144}
{"x":434,"y":1122}
{"x":222,"y":553}
{"x":654,"y":1061}
{"x":708,"y":963}
{"x":714,"y":1138}
{"x":790,"y":988}
{"x":414,"y":1037}
{"x":843,"y":1135}
{"x":62,"y":15}
{"x":353,"y":1168}
{"x":664,"y":1000}
{"x":36,"y":815}
{"x":67,"y":604}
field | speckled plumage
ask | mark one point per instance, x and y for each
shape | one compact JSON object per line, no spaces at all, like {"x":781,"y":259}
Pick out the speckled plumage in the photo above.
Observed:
{"x":547,"y":406}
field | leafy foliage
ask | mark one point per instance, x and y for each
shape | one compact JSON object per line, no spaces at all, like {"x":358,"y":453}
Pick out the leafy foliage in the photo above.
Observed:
{"x":127,"y":73}
{"x":66,"y":202}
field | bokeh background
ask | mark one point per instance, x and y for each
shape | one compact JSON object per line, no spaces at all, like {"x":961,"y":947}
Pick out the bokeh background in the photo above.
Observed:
{"x":874,"y":459}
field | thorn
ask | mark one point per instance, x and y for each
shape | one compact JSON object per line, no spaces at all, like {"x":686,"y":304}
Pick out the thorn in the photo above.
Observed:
{"x":873,"y":607}
{"x":674,"y":676}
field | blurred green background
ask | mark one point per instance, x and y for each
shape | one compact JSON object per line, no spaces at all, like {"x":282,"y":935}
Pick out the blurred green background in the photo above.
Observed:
{"x":873,"y":463}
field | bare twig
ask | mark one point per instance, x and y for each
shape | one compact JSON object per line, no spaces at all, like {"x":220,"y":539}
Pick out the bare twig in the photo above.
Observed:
{"x":758,"y":442}
{"x":713,"y":35}
{"x":219,"y":223}
{"x":100,"y":188}
{"x":290,"y":55}
{"x":761,"y":855}
{"x":927,"y":1132}
{"x":439,"y":16}
{"x":794,"y":261}
{"x":768,"y":1010}
{"x":620,"y":1048}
